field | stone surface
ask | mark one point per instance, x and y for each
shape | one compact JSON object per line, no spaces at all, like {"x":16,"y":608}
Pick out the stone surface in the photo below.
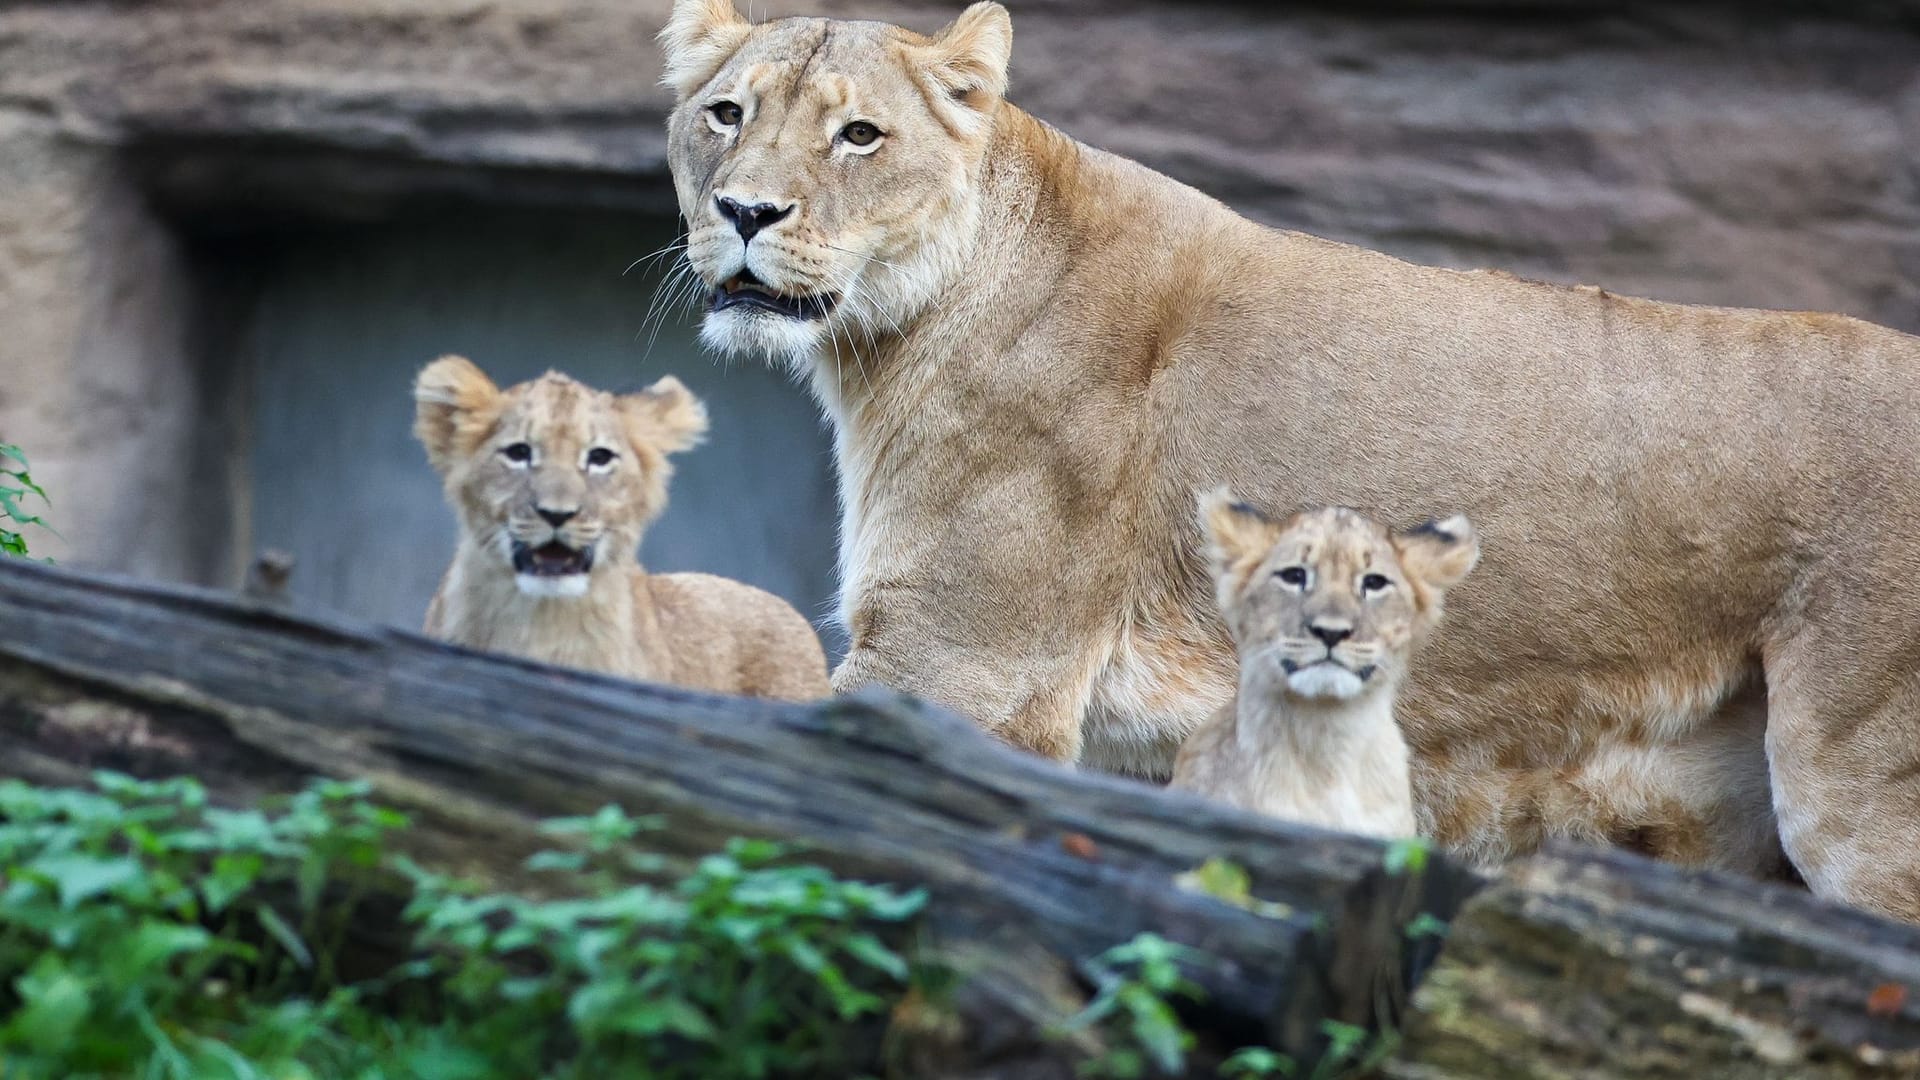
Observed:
{"x":1756,"y":154}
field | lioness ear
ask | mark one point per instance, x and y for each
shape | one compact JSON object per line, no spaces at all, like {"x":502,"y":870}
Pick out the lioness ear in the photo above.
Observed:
{"x":1439,"y":553}
{"x":967,"y":62}
{"x":665,"y":416}
{"x":455,"y":405}
{"x":1237,"y":534}
{"x":699,"y":37}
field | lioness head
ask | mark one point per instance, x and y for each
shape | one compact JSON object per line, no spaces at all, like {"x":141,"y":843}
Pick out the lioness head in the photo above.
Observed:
{"x":556,"y":478}
{"x":827,"y":170}
{"x":1328,"y":601}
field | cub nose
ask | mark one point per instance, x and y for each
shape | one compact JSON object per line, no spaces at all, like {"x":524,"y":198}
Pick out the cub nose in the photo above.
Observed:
{"x":1330,"y":633}
{"x":556,"y":518}
{"x":749,"y":219}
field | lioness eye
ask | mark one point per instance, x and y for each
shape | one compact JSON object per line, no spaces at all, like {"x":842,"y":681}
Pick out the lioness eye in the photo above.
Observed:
{"x":599,"y":457}
{"x":727,"y":113}
{"x":860,"y":133}
{"x":1374,"y":583}
{"x":518,"y":452}
{"x":1295,"y":576}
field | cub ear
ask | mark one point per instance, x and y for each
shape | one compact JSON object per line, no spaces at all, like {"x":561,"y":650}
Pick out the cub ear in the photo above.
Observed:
{"x":967,"y":62}
{"x":455,"y":405}
{"x":665,"y":416}
{"x":1439,"y":553}
{"x":699,"y":37}
{"x":1236,"y":533}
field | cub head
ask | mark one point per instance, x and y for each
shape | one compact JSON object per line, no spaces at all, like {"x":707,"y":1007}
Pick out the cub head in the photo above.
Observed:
{"x":555,"y":479}
{"x":828,"y":171}
{"x":1328,"y":603}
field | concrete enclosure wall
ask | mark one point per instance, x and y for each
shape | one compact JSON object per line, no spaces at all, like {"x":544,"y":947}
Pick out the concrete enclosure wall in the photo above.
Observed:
{"x":231,"y":229}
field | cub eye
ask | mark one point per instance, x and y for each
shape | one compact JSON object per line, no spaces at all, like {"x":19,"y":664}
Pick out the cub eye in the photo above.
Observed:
{"x":727,"y":113}
{"x":1374,"y":583}
{"x":600,"y":457}
{"x":860,"y":133}
{"x":1295,"y":576}
{"x":519,"y":453}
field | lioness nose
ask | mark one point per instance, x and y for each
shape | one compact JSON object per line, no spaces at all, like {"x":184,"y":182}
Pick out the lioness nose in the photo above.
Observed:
{"x":1331,"y":634}
{"x":749,"y":219}
{"x":556,"y":518}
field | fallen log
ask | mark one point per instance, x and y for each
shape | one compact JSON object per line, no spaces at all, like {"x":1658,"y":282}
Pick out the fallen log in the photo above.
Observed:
{"x":1032,"y":869}
{"x":1601,"y":965}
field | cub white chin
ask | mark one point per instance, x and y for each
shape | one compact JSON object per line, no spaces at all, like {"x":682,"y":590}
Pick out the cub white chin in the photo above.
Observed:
{"x":1325,"y":681}
{"x":550,"y":587}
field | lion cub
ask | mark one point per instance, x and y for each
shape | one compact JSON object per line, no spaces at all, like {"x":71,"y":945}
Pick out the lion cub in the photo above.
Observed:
{"x":554,"y":483}
{"x":1326,"y":609}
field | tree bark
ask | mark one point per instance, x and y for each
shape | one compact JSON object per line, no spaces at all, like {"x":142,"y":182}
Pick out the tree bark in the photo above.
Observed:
{"x":1032,"y":869}
{"x":1599,"y":965}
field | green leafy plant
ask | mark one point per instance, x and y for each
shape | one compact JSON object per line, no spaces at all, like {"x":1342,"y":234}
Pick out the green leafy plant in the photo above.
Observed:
{"x":1134,"y":1010}
{"x":144,"y":933}
{"x":744,"y":968}
{"x":16,"y":483}
{"x":1351,"y":1052}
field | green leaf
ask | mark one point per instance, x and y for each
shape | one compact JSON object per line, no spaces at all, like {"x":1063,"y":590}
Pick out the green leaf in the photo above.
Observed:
{"x":869,"y":950}
{"x":1407,"y":855}
{"x":567,"y":861}
{"x":289,"y":940}
{"x":311,"y":880}
{"x":55,"y":1002}
{"x":233,"y":874}
{"x":1344,"y":1040}
{"x":1160,"y":1034}
{"x":595,"y":1008}
{"x":889,"y":906}
{"x":157,"y":942}
{"x":1257,"y":1061}
{"x":1222,"y":879}
{"x":1426,"y":925}
{"x":79,"y":878}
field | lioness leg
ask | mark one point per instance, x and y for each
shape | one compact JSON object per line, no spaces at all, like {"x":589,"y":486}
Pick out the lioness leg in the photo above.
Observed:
{"x":1843,"y":747}
{"x":1034,"y":705}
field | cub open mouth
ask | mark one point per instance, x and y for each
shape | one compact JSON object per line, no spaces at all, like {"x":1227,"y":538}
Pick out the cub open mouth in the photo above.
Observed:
{"x":746,"y":290}
{"x":551,"y":559}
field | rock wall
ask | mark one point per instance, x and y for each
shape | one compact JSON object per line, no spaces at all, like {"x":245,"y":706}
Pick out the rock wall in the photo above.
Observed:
{"x":1758,"y":154}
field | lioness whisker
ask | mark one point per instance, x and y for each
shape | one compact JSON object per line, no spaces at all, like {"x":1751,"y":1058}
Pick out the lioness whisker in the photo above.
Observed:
{"x":679,"y":243}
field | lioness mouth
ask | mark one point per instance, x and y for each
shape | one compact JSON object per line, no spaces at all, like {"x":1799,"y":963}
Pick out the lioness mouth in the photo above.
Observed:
{"x":745,"y":289}
{"x":551,"y":559}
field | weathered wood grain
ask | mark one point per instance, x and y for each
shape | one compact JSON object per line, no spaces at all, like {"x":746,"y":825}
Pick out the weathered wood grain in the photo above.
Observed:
{"x":1604,"y":965}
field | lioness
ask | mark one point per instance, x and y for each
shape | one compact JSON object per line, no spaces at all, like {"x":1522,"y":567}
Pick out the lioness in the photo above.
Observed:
{"x":1326,"y":609}
{"x":554,"y":483}
{"x":1033,"y":351}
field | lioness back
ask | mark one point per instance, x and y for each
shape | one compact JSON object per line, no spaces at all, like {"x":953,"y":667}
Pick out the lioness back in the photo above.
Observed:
{"x":728,"y":635}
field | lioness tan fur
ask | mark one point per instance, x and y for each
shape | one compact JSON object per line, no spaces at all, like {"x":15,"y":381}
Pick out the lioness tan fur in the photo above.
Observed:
{"x":1325,"y":609}
{"x":1702,"y":524}
{"x":554,"y":484}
